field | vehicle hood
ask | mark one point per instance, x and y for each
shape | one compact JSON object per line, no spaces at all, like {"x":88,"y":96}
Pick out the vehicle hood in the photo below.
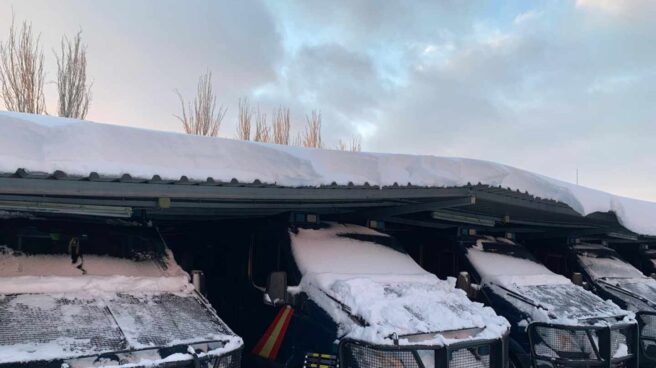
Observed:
{"x":49,"y":326}
{"x":640,"y":293}
{"x":564,"y":303}
{"x":397,"y":306}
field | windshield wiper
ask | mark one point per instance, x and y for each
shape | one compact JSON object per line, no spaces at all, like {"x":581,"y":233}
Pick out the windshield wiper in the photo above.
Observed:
{"x":522,"y":298}
{"x":355,"y":317}
{"x":627,"y":292}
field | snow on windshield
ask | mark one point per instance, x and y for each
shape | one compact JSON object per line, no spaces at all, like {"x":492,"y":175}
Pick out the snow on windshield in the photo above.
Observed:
{"x":384,"y":287}
{"x":58,"y":326}
{"x":603,"y":263}
{"x":46,"y":144}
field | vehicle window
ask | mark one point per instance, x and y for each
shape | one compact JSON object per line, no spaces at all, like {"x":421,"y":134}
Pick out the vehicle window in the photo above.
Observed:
{"x":132,"y":242}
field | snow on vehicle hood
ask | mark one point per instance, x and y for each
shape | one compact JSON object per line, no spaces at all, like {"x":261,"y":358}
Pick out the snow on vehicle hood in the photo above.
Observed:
{"x":351,"y":276}
{"x":533,"y":288}
{"x":46,"y":144}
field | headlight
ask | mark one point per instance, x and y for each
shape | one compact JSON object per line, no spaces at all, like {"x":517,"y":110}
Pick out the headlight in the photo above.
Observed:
{"x":360,"y":356}
{"x":565,"y":344}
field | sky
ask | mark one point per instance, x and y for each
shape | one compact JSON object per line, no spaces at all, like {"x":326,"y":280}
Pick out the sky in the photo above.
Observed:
{"x":555,"y":87}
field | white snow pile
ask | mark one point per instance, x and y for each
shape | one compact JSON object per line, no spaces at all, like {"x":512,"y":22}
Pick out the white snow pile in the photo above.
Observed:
{"x":46,"y":144}
{"x":543,"y":295}
{"x":350,"y":275}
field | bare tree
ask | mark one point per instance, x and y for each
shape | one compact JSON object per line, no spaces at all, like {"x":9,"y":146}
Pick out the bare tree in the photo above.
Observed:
{"x":311,"y":137}
{"x":72,"y":87}
{"x":21,"y":71}
{"x":281,"y":125}
{"x":262,"y":130}
{"x":244,"y":120}
{"x":354,"y":145}
{"x":202,"y":117}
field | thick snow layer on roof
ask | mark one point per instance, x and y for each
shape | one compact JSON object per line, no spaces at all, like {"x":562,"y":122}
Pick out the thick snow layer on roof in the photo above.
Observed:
{"x":20,"y":273}
{"x":608,"y":267}
{"x":46,"y":144}
{"x":384,"y":287}
{"x":508,"y":270}
{"x":533,"y":288}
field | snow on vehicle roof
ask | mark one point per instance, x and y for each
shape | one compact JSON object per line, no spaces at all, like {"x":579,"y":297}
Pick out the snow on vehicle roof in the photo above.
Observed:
{"x":533,"y":288}
{"x":506,"y":269}
{"x":346,"y":266}
{"x":50,"y":273}
{"x":47,"y":144}
{"x":602,"y":262}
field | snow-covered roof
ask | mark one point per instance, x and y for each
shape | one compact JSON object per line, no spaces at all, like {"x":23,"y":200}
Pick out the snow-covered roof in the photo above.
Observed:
{"x":48,"y":144}
{"x":346,"y":266}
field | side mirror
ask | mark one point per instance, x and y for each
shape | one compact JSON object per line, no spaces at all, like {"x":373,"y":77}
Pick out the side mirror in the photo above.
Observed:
{"x":577,"y":279}
{"x":276,"y":288}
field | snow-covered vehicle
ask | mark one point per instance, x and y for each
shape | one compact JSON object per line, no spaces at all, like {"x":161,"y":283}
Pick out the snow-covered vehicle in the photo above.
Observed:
{"x":363,"y":302}
{"x":110,"y":297}
{"x":611,"y":277}
{"x":554,"y":323}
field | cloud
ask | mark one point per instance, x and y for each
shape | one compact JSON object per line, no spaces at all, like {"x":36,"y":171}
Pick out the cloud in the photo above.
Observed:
{"x":550,"y":86}
{"x":619,"y":8}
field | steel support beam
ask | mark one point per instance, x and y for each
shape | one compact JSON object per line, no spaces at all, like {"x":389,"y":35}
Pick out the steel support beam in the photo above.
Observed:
{"x":387,"y":212}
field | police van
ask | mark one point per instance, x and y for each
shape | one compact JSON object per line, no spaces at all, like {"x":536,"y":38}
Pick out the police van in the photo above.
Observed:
{"x":554,"y":323}
{"x":350,"y":296}
{"x":606,"y":273}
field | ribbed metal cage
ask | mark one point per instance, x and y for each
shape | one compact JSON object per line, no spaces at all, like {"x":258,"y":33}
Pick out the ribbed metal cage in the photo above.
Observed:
{"x":647,"y":323}
{"x":356,"y":354}
{"x":556,"y":346}
{"x":479,"y":357}
{"x":232,"y":360}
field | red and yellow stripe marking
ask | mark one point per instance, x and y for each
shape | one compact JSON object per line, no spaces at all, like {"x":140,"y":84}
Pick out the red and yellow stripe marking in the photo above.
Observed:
{"x":273,"y":337}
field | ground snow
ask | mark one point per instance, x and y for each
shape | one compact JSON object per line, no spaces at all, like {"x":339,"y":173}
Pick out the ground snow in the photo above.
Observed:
{"x":46,"y":144}
{"x":385,"y":287}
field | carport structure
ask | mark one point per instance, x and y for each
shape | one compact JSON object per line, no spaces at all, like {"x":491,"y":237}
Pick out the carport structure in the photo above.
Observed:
{"x":491,"y":209}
